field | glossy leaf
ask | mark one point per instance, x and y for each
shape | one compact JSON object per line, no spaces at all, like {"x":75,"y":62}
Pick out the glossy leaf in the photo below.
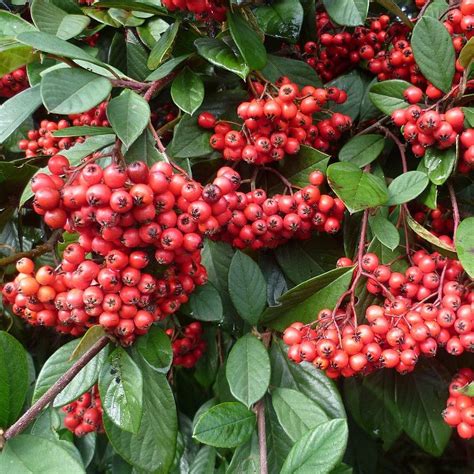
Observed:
{"x":247,"y":287}
{"x":406,"y":187}
{"x":467,"y":53}
{"x":187,"y":91}
{"x":82,"y":131}
{"x":166,"y":68}
{"x":121,"y":391}
{"x":92,"y":335}
{"x":226,"y":425}
{"x":13,"y":378}
{"x":189,"y":140}
{"x":205,"y":304}
{"x":358,"y":189}
{"x":13,"y":56}
{"x":464,"y":241}
{"x":128,"y":114}
{"x":282,"y":18}
{"x":388,"y":95}
{"x":347,"y":12}
{"x":248,"y":370}
{"x":299,"y":72}
{"x":155,"y":349}
{"x":72,"y":91}
{"x":439,"y":164}
{"x":385,"y":231}
{"x":362,"y":149}
{"x":430,"y":35}
{"x":12,"y":25}
{"x":163,"y":46}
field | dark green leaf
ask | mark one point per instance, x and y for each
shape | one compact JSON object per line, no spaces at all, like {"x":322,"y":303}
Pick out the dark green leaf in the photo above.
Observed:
{"x":137,"y":56}
{"x":92,"y":335}
{"x":388,"y":95}
{"x":247,"y":287}
{"x":204,"y":462}
{"x":347,"y":12}
{"x":16,"y":110}
{"x":220,"y":54}
{"x":152,"y":31}
{"x":187,"y":91}
{"x":121,"y":390}
{"x":163,"y":46}
{"x":358,"y":189}
{"x":464,"y":241}
{"x":362,"y":150}
{"x":436,"y":8}
{"x":354,"y":86}
{"x":247,"y":40}
{"x":320,"y":450}
{"x":82,"y":131}
{"x":13,"y":378}
{"x":144,"y":149}
{"x":226,"y":425}
{"x":296,"y":413}
{"x":439,"y":164}
{"x":155,"y":349}
{"x":421,"y":399}
{"x":146,"y":7}
{"x":282,"y":18}
{"x":153,"y":447}
{"x":297,"y":71}
{"x":189,"y":140}
{"x":57,"y":364}
{"x":385,"y":231}
{"x":205,"y":304}
{"x":248,"y":370}
{"x":246,"y":458}
{"x":71,"y":91}
{"x":167,"y":68}
{"x":12,"y":25}
{"x":128,"y":114}
{"x":467,"y":54}
{"x":33,"y":454}
{"x":431,"y":35}
{"x":406,"y":187}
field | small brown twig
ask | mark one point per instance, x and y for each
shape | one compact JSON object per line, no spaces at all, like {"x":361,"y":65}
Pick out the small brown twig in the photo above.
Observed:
{"x":56,"y":389}
{"x":454,"y":204}
{"x":262,"y":436}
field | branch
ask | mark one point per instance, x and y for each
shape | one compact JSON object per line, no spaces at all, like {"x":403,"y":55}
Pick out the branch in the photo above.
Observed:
{"x":400,"y":145}
{"x":454,"y":204}
{"x":57,"y":388}
{"x":262,"y":437}
{"x":48,"y":246}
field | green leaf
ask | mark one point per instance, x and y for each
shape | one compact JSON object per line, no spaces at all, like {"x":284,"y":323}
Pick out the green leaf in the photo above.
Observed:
{"x":128,"y":114}
{"x":144,"y":149}
{"x":101,"y":16}
{"x":436,"y":9}
{"x":467,"y":389}
{"x":246,"y":458}
{"x":320,"y":450}
{"x":12,"y":25}
{"x":406,"y":187}
{"x":155,"y":349}
{"x":464,"y":240}
{"x":439,"y":164}
{"x":153,"y":447}
{"x":347,"y":12}
{"x":354,"y":86}
{"x":16,"y":110}
{"x":205,"y":304}
{"x":72,"y":91}
{"x":467,"y":54}
{"x":13,"y":56}
{"x":248,"y":370}
{"x":221,"y":55}
{"x":187,"y":91}
{"x":121,"y":391}
{"x":425,"y":234}
{"x":27,"y":454}
{"x":51,"y":19}
{"x":82,"y":131}
{"x":59,"y":363}
{"x":247,"y":40}
{"x":421,"y":399}
{"x":282,"y":18}
{"x":431,"y":35}
{"x":13,"y":378}
{"x":299,"y":72}
{"x":362,"y":150}
{"x":167,"y":67}
{"x":204,"y":462}
{"x":92,"y":335}
{"x":189,"y":140}
{"x":226,"y":425}
{"x":146,"y":7}
{"x":388,"y":95}
{"x":358,"y":189}
{"x":53,"y":45}
{"x":152,"y":31}
{"x":296,"y":413}
{"x":163,"y":46}
{"x":385,"y":231}
{"x":304,"y":301}
{"x":125,"y":18}
{"x":247,"y":287}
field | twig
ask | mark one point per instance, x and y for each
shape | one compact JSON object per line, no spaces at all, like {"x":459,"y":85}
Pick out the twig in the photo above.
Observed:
{"x":127,"y":84}
{"x":48,"y":246}
{"x":262,"y":436}
{"x":57,"y":388}
{"x":401,"y":147}
{"x":454,"y":204}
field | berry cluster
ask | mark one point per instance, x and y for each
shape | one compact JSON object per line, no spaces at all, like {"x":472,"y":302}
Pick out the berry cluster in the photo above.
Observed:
{"x":425,"y":128}
{"x":85,"y":414}
{"x":43,"y":142}
{"x":439,"y":221}
{"x":459,"y":412}
{"x":398,"y":332}
{"x":339,"y":50}
{"x":13,"y":83}
{"x":276,"y":125}
{"x":189,"y":348}
{"x":202,"y":9}
{"x":258,"y":221}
